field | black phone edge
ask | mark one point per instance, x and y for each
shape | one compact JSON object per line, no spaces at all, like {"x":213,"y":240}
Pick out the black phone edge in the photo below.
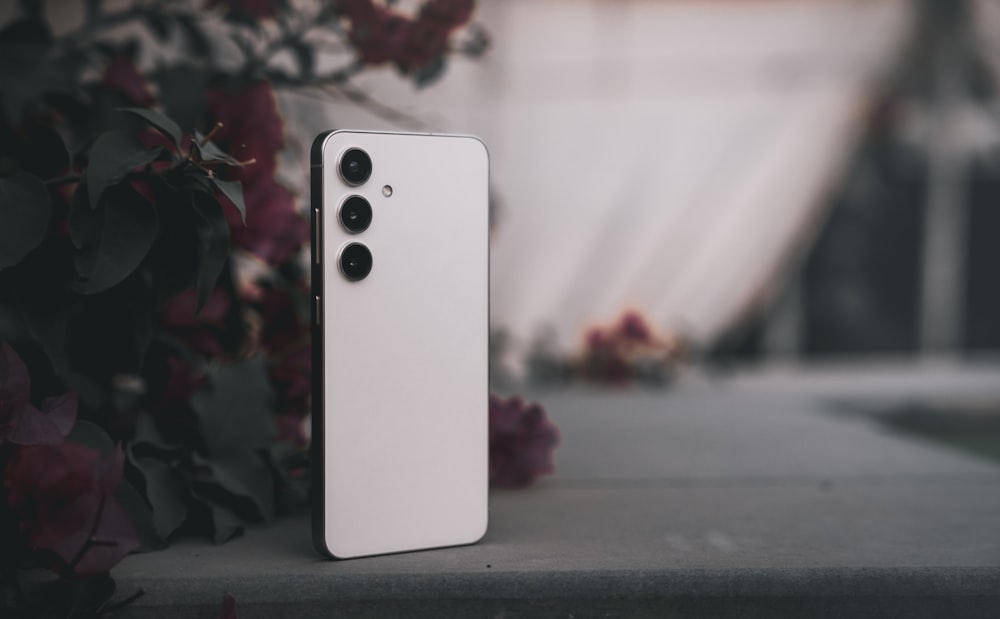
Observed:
{"x":317,"y":462}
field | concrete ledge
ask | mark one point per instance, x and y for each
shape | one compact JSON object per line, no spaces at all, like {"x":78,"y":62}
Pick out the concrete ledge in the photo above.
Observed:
{"x":741,"y":502}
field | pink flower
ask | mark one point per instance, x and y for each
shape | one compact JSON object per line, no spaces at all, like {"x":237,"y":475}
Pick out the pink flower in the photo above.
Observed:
{"x":451,"y":13}
{"x":378,"y":33}
{"x":122,"y":76}
{"x":633,"y":327}
{"x":381,"y":34}
{"x":426,"y":41}
{"x":62,"y":497}
{"x":252,"y":128}
{"x":202,"y":331}
{"x":20,"y":421}
{"x":522,"y":440}
{"x":275,"y":231}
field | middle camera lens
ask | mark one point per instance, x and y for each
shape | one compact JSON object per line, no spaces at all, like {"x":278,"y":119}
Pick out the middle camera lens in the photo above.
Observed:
{"x":356,"y":214}
{"x":355,"y":166}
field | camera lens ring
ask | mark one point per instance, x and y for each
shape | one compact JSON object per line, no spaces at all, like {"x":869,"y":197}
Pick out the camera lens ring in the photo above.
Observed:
{"x":355,"y":261}
{"x":355,"y":214}
{"x":355,"y":166}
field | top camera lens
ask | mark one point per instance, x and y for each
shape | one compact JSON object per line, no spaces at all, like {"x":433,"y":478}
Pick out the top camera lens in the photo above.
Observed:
{"x":355,"y":166}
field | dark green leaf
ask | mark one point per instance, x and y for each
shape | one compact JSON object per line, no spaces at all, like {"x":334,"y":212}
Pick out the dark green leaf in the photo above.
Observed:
{"x":141,"y":515}
{"x":146,"y":433}
{"x":158,"y":24}
{"x":233,"y":191}
{"x":127,"y":225}
{"x":41,"y":151}
{"x":93,"y":10}
{"x":46,"y":310}
{"x":195,"y":39}
{"x":213,"y":244}
{"x":208,"y":149}
{"x":85,"y":224}
{"x":32,"y":8}
{"x":91,"y":435}
{"x":226,"y":523}
{"x":25,"y":210}
{"x":235,"y":409}
{"x":305,"y":55}
{"x":27,"y":70}
{"x":114,"y":155}
{"x":429,"y":73}
{"x":166,"y":492}
{"x":174,"y":259}
{"x":162,"y":123}
{"x":211,"y":152}
{"x":245,"y":475}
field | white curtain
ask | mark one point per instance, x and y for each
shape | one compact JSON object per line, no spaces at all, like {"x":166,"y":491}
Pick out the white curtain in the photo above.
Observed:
{"x":667,"y":156}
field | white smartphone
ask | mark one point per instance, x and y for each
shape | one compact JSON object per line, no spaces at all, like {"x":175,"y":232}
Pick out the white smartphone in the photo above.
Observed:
{"x":400,"y":276}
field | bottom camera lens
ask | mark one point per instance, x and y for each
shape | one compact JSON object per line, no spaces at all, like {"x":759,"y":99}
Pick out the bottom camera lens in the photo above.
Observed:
{"x":356,"y":262}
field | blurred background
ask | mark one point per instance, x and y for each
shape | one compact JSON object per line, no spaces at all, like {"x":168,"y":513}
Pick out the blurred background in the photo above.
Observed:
{"x":742,"y":181}
{"x":723,"y":231}
{"x":761,"y":180}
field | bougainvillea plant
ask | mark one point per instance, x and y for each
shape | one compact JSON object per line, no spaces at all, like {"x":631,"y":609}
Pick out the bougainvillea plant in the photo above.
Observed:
{"x":154,"y":337}
{"x":627,"y":351}
{"x":522,"y":439}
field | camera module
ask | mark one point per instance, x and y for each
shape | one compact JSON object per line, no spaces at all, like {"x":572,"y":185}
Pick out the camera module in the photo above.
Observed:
{"x":355,"y":214}
{"x":355,"y":262}
{"x":355,"y":166}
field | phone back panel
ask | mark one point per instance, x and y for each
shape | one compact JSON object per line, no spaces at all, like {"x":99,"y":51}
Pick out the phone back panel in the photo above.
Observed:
{"x":401,"y":357}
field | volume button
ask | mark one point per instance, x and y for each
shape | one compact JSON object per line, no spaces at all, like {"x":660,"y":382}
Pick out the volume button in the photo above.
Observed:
{"x":317,"y":235}
{"x":317,"y":308}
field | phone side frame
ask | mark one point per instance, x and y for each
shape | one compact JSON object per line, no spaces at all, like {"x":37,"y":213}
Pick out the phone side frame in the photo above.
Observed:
{"x":318,"y":433}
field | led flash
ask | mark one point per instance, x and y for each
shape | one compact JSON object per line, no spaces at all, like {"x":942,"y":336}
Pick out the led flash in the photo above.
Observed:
{"x":387,"y":191}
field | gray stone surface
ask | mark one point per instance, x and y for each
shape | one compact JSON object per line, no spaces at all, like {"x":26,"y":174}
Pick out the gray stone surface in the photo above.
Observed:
{"x":748,"y":497}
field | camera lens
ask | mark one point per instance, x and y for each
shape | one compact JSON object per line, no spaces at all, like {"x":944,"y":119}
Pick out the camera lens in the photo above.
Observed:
{"x":356,"y":214}
{"x":355,"y":166}
{"x":356,"y":262}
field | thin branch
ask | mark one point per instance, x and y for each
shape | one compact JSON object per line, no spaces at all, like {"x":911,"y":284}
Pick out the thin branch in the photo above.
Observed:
{"x":64,"y":180}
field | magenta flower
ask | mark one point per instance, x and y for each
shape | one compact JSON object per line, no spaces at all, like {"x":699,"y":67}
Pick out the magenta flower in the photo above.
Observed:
{"x":122,"y":76}
{"x":275,"y":231}
{"x":522,"y":440}
{"x":252,"y":128}
{"x":252,"y":131}
{"x":381,"y":34}
{"x":62,"y":497}
{"x":633,"y":327}
{"x":21,"y":422}
{"x":202,"y":331}
{"x":452,"y":13}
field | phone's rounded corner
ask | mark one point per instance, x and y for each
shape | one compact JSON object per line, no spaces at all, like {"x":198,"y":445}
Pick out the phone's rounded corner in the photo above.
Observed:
{"x":316,"y":151}
{"x":481,"y":531}
{"x":319,"y":544}
{"x":481,"y":144}
{"x":323,"y":547}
